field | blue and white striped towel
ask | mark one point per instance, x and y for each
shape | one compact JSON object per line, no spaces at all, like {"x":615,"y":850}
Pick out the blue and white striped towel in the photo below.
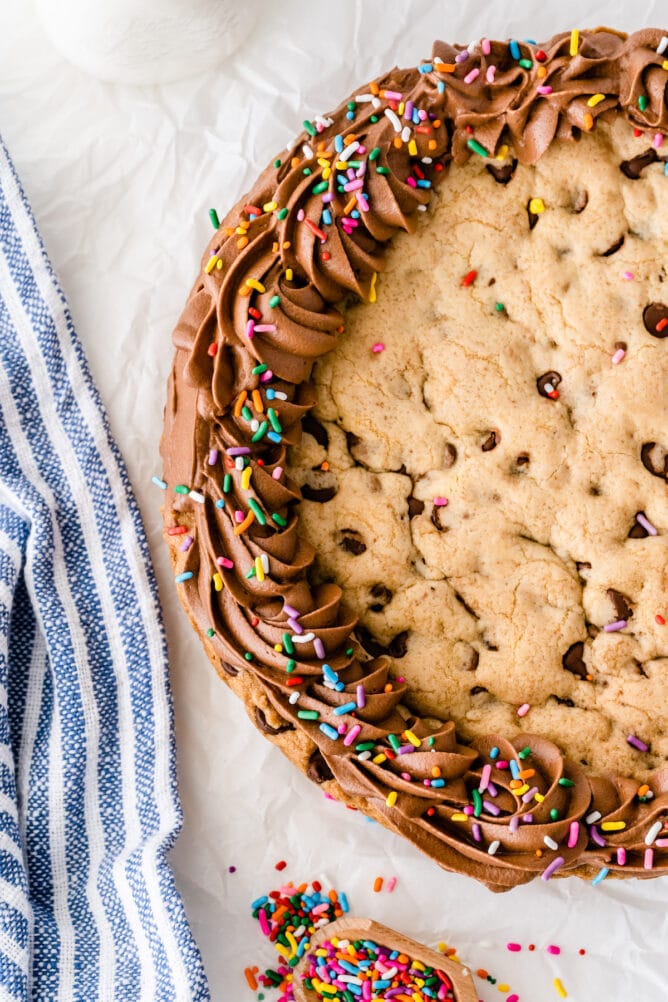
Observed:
{"x":88,"y":800}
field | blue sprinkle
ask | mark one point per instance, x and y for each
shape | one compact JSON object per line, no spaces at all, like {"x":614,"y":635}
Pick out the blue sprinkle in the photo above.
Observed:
{"x":424,"y":183}
{"x":341,"y":179}
{"x":273,"y":436}
{"x":346,"y":708}
{"x":665,"y":168}
{"x":494,"y":752}
{"x":271,"y":393}
{"x":159,"y":483}
{"x":186,"y":576}
{"x":338,"y":143}
{"x":440,"y":87}
{"x":416,"y":117}
{"x":514,"y":49}
{"x":343,"y":901}
{"x":302,"y":945}
{"x":251,"y":216}
{"x":354,"y":989}
{"x":327,"y":217}
{"x":259,"y":902}
{"x":330,"y":674}
{"x":350,"y":115}
{"x":349,"y":967}
{"x":438,"y":782}
{"x":220,"y":503}
{"x":601,"y":875}
{"x":531,"y":41}
{"x":330,"y":731}
{"x":425,"y":67}
{"x":514,"y":768}
{"x":355,"y":214}
{"x":340,"y":686}
{"x":382,"y":984}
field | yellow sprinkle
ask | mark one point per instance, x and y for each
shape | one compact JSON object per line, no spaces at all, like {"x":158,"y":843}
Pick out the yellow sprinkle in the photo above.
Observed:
{"x":401,"y":108}
{"x":269,"y":206}
{"x":412,"y":148}
{"x":459,"y":817}
{"x":521,"y":790}
{"x":417,"y":965}
{"x":282,"y":950}
{"x":326,"y":173}
{"x":442,"y":947}
{"x":391,"y":798}
{"x":288,"y":274}
{"x":219,"y":266}
{"x":324,"y":989}
{"x":595,"y":99}
{"x":613,"y":826}
{"x":664,"y":64}
{"x":372,"y":288}
{"x":279,"y":648}
{"x":241,"y":230}
{"x":259,"y":569}
{"x":539,"y":798}
{"x":415,"y":741}
{"x":379,"y":759}
{"x":503,"y":988}
{"x":211,"y":264}
{"x":503,"y":152}
{"x":246,"y":477}
{"x":292,"y":941}
{"x":561,"y":991}
{"x":217,"y":582}
{"x":253,"y":283}
{"x":323,"y":163}
{"x":575,"y":42}
{"x":341,"y":165}
{"x":536,"y":206}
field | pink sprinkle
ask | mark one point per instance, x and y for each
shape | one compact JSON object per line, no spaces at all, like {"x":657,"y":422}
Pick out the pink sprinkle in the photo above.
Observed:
{"x":266,"y":376}
{"x":514,"y":947}
{"x":462,"y":56}
{"x":484,"y":778}
{"x":392,"y":95}
{"x":657,"y":141}
{"x":476,"y":832}
{"x":250,"y":327}
{"x":544,"y":89}
{"x":300,"y":215}
{"x":295,"y":625}
{"x":523,"y":710}
{"x":342,"y":728}
{"x":352,"y":734}
{"x":265,"y":328}
{"x":362,"y":202}
{"x":354,"y":185}
{"x":661,"y":843}
{"x":628,"y":275}
{"x":618,"y":356}
{"x":239,"y":516}
{"x":486,"y":46}
{"x":407,"y":776}
{"x":555,"y":950}
{"x":646,"y":524}
{"x":513,"y":998}
{"x":619,"y":624}
{"x":648,"y":862}
{"x":264,"y":925}
{"x":471,"y":75}
{"x":213,"y":457}
{"x":468,"y":809}
{"x":278,"y":473}
{"x":490,"y":74}
{"x":225,"y":562}
{"x":440,"y":502}
{"x":378,"y":346}
{"x":290,"y":610}
{"x":621,"y":856}
{"x":391,"y":884}
{"x":573,"y":834}
{"x":411,"y":182}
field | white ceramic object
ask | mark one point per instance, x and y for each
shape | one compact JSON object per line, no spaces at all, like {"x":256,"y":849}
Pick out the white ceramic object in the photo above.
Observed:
{"x":146,"y":41}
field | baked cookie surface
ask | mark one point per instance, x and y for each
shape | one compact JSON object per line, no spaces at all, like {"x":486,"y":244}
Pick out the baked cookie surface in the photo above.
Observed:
{"x":490,"y":424}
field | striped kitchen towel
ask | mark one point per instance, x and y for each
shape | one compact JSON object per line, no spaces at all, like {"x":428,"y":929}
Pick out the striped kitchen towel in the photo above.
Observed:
{"x":88,"y":799}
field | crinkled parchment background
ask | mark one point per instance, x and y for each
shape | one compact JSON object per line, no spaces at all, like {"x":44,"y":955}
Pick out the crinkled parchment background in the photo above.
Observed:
{"x":121,"y":179}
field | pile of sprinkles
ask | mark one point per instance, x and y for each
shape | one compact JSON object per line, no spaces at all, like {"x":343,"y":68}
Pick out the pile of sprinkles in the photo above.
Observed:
{"x":508,"y":788}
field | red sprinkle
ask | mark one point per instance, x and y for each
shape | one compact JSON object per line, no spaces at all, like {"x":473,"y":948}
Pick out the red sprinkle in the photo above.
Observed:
{"x":637,"y":133}
{"x":469,"y":278}
{"x":255,"y":314}
{"x":315,"y":229}
{"x":660,"y":620}
{"x":254,"y":621}
{"x":252,"y":210}
{"x":662,"y":323}
{"x":281,"y":865}
{"x":177,"y":530}
{"x":294,"y":680}
{"x":213,"y":349}
{"x":531,"y":946}
{"x":541,"y":56}
{"x":326,"y":255}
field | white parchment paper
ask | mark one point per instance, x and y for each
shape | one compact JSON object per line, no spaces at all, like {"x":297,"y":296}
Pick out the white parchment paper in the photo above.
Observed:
{"x":121,"y":180}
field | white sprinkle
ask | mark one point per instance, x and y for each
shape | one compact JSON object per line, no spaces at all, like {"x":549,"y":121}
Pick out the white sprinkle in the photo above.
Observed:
{"x":350,"y":979}
{"x":396,"y":124}
{"x":376,"y":103}
{"x":325,"y":122}
{"x":592,"y":818}
{"x":549,"y":388}
{"x":662,"y":46}
{"x":294,"y":698}
{"x":255,"y":424}
{"x":363,"y":756}
{"x":196,"y":496}
{"x":307,"y":151}
{"x":348,"y":152}
{"x":364,"y":98}
{"x":305,"y":638}
{"x":422,"y":208}
{"x":280,"y":395}
{"x":494,"y":847}
{"x":650,"y":837}
{"x":264,"y":560}
{"x":239,"y":460}
{"x":550,"y":843}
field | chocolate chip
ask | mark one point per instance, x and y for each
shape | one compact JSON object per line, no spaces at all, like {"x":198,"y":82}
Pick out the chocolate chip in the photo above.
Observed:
{"x":620,"y":603}
{"x":317,"y":768}
{"x":533,"y":217}
{"x":547,"y":384}
{"x":638,"y":531}
{"x":229,"y":669}
{"x":654,"y":464}
{"x":633,"y":168}
{"x":613,"y":248}
{"x":477,"y":689}
{"x":312,"y":427}
{"x":383,"y":595}
{"x":450,"y":457}
{"x":573,"y":660}
{"x":474,"y":660}
{"x":523,"y":459}
{"x":462,"y":601}
{"x":436,"y":520}
{"x":562,"y":702}
{"x":580,"y":201}
{"x":502,"y":173}
{"x":354,"y":546}
{"x":583,"y":565}
{"x":415,"y":507}
{"x":655,"y":319}
{"x":352,"y":440}
{"x":321,"y":494}
{"x":399,"y":645}
{"x":266,"y":728}
{"x":620,"y":346}
{"x":369,"y":642}
{"x":491,"y":441}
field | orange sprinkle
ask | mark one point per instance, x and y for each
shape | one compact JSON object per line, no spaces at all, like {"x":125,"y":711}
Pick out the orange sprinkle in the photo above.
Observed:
{"x":539,"y":853}
{"x":350,"y":206}
{"x":241,"y":242}
{"x":350,"y":138}
{"x":250,"y":978}
{"x":324,"y":466}
{"x":257,"y":402}
{"x":526,"y":773}
{"x":589,"y":121}
{"x":445,"y":67}
{"x":374,"y":88}
{"x":397,"y":142}
{"x":241,"y":400}
{"x":377,"y":884}
{"x":482,"y":973}
{"x":642,"y":790}
{"x":541,"y":72}
{"x":242,"y":526}
{"x":295,"y":162}
{"x":515,"y":784}
{"x":432,"y":144}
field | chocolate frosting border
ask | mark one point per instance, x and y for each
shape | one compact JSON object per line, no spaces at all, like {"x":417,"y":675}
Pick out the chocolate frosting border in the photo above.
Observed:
{"x":266,"y":304}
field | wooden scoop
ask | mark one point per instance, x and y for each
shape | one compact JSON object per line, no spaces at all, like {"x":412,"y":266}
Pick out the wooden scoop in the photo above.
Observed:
{"x":352,"y":928}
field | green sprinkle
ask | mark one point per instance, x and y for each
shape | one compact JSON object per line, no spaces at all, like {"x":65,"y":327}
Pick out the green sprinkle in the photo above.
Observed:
{"x":394,"y":741}
{"x":554,"y":814}
{"x":227,"y":483}
{"x":307,"y":171}
{"x":365,"y":746}
{"x":273,"y":419}
{"x":526,"y":64}
{"x":259,"y":369}
{"x":642,"y":102}
{"x":274,"y":301}
{"x":277,"y":164}
{"x":282,"y":213}
{"x":524,"y":753}
{"x":499,"y":307}
{"x":278,"y":519}
{"x":257,"y":511}
{"x":431,"y":741}
{"x":211,"y":632}
{"x":181,"y":489}
{"x":312,"y":131}
{"x":248,"y":656}
{"x":250,"y":574}
{"x":374,"y":119}
{"x":477,"y":803}
{"x":287,"y":643}
{"x":349,"y":652}
{"x":477,"y":147}
{"x":308,"y":714}
{"x":318,"y":188}
{"x":375,"y":153}
{"x":382,"y":170}
{"x":291,"y":664}
{"x":566,"y":782}
{"x":260,"y":432}
{"x":247,"y":413}
{"x":213,"y":216}
{"x":351,"y":105}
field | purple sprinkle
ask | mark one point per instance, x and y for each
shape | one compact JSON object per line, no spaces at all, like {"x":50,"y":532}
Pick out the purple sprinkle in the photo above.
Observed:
{"x":186,"y":544}
{"x":408,"y":111}
{"x":361,"y":696}
{"x":514,"y":823}
{"x":596,"y":836}
{"x":213,"y":457}
{"x":527,"y":819}
{"x":529,"y":795}
{"x":461,"y":57}
{"x":231,"y":869}
{"x":620,"y":624}
{"x":646,"y":524}
{"x":552,"y":867}
{"x":491,"y":808}
{"x":405,"y":750}
{"x":319,"y":648}
{"x":475,"y":828}
{"x":239,"y":450}
{"x":290,"y":610}
{"x":637,"y":743}
{"x":294,"y":625}
{"x":492,"y":790}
